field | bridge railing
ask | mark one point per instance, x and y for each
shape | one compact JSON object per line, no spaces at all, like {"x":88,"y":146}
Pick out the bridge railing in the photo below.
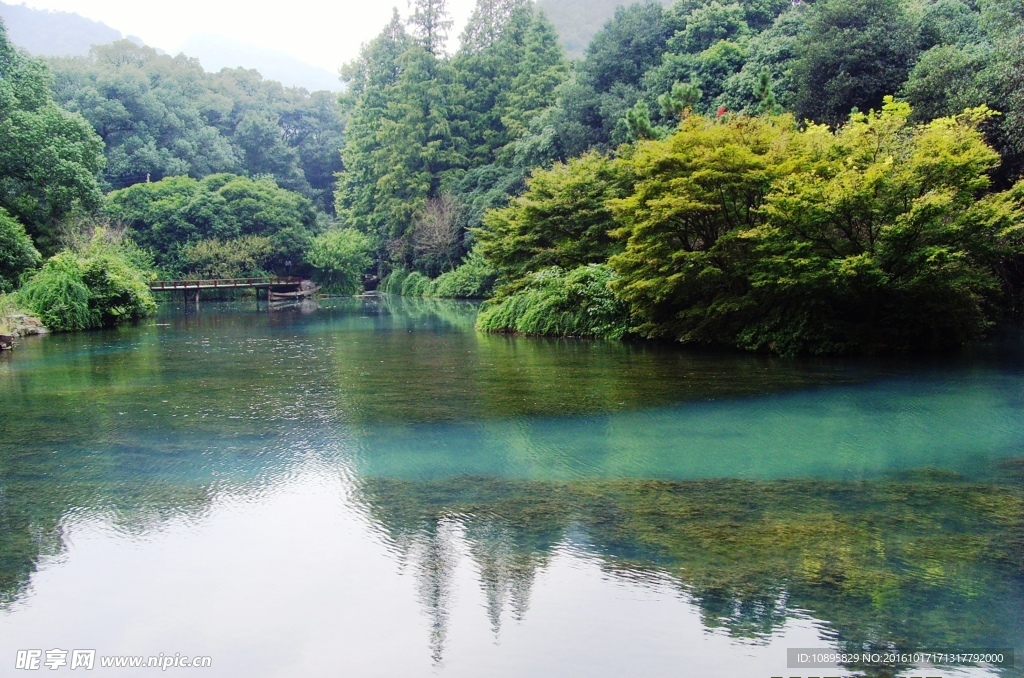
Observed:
{"x":170,"y":285}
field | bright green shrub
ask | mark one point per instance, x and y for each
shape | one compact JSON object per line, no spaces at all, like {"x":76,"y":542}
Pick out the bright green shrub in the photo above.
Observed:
{"x":474,"y":279}
{"x":392,"y":282}
{"x":58,"y":295}
{"x":242,"y":257}
{"x":562,"y":220}
{"x":416,"y":285}
{"x":760,"y":234}
{"x":558,"y":303}
{"x":101,"y":285}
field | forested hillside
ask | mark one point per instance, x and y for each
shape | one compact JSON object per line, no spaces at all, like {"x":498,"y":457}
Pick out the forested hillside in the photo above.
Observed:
{"x":162,"y":116}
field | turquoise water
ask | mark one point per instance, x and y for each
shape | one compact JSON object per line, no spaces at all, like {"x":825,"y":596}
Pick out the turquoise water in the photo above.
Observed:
{"x":369,"y":487}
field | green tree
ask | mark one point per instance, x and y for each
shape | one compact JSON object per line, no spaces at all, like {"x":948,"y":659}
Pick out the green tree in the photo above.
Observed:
{"x":562,"y":220}
{"x":755,"y":234}
{"x":243,"y":257}
{"x":102,"y":283}
{"x":708,"y":25}
{"x":608,"y":80}
{"x":162,"y":116}
{"x":340,"y":257}
{"x":430,"y":22}
{"x":949,"y":79}
{"x":371,"y":80}
{"x":49,"y":158}
{"x":702,"y":185}
{"x":542,"y":69}
{"x":17,"y":254}
{"x":169,"y":215}
{"x":775,"y":50}
{"x":486,"y":66}
{"x":853,"y":53}
{"x":949,"y":22}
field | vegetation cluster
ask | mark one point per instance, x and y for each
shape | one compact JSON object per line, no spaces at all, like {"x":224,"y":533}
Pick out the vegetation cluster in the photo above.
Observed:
{"x":835,"y":176}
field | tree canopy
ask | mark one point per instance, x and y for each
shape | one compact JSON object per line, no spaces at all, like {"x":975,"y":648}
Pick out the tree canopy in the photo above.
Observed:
{"x":49,"y":158}
{"x":173,"y":216}
{"x":162,"y":116}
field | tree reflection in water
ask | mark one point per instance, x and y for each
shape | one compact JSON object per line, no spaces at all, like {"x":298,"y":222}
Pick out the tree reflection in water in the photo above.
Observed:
{"x":925,"y":559}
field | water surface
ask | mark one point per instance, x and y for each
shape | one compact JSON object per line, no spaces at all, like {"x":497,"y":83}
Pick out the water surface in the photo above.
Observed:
{"x":369,"y":487}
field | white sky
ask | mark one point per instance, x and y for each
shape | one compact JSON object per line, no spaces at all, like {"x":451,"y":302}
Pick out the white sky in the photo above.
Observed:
{"x":325,"y":33}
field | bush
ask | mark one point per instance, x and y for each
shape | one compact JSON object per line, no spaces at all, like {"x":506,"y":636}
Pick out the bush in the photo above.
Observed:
{"x":340,"y":257}
{"x":556,"y":303}
{"x":474,"y":279}
{"x":101,"y":285}
{"x":17,"y":254}
{"x":392,"y":282}
{"x":416,"y":285}
{"x":244,"y":257}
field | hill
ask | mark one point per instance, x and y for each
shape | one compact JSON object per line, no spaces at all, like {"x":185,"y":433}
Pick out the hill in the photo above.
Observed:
{"x":45,"y":33}
{"x":216,"y":52}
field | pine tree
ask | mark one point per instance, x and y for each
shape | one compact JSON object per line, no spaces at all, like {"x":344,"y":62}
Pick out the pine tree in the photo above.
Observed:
{"x":486,"y":67}
{"x":487,"y":23}
{"x":430,"y":22}
{"x":371,"y":80}
{"x":542,"y":69}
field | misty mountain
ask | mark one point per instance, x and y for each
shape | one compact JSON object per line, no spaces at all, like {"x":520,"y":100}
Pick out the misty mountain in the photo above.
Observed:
{"x":578,"y":21}
{"x":216,"y":52}
{"x":45,"y":33}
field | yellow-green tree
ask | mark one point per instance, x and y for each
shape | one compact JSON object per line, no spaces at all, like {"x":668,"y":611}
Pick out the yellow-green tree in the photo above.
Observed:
{"x":879,"y":237}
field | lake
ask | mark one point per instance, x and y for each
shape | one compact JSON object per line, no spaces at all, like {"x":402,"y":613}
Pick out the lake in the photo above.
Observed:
{"x":368,"y":487}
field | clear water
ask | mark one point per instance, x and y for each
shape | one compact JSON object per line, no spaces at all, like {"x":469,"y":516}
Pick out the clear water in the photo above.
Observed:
{"x":370,"y":488}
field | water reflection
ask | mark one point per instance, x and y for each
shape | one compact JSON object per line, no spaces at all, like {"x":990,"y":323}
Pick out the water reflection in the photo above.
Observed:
{"x":924,"y":560}
{"x":883,"y":501}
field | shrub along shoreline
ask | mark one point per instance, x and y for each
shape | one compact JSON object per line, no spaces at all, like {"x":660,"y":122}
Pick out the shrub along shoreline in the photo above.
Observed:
{"x":765,"y":235}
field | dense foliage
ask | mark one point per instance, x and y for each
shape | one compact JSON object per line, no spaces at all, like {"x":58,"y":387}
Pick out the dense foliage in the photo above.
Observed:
{"x":339,"y":257}
{"x":185,"y":222}
{"x":680,"y":169}
{"x":100,"y":284}
{"x":48,"y":157}
{"x":163,"y":116}
{"x":562,"y":219}
{"x":426,"y":128}
{"x":17,"y":254}
{"x":757,"y":234}
{"x":558,"y":303}
{"x":473,"y":279}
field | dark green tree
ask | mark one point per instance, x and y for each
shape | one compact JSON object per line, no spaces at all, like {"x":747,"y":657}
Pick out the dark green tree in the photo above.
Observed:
{"x":371,"y":81}
{"x":853,"y":53}
{"x":170,"y":215}
{"x":608,"y":80}
{"x":163,"y":116}
{"x":49,"y":158}
{"x":17,"y":254}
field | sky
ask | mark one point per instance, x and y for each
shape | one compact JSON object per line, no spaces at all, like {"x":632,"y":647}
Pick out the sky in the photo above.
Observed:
{"x":325,"y":33}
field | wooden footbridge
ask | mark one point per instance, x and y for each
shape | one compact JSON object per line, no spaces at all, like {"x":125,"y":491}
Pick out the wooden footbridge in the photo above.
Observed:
{"x":190,"y":287}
